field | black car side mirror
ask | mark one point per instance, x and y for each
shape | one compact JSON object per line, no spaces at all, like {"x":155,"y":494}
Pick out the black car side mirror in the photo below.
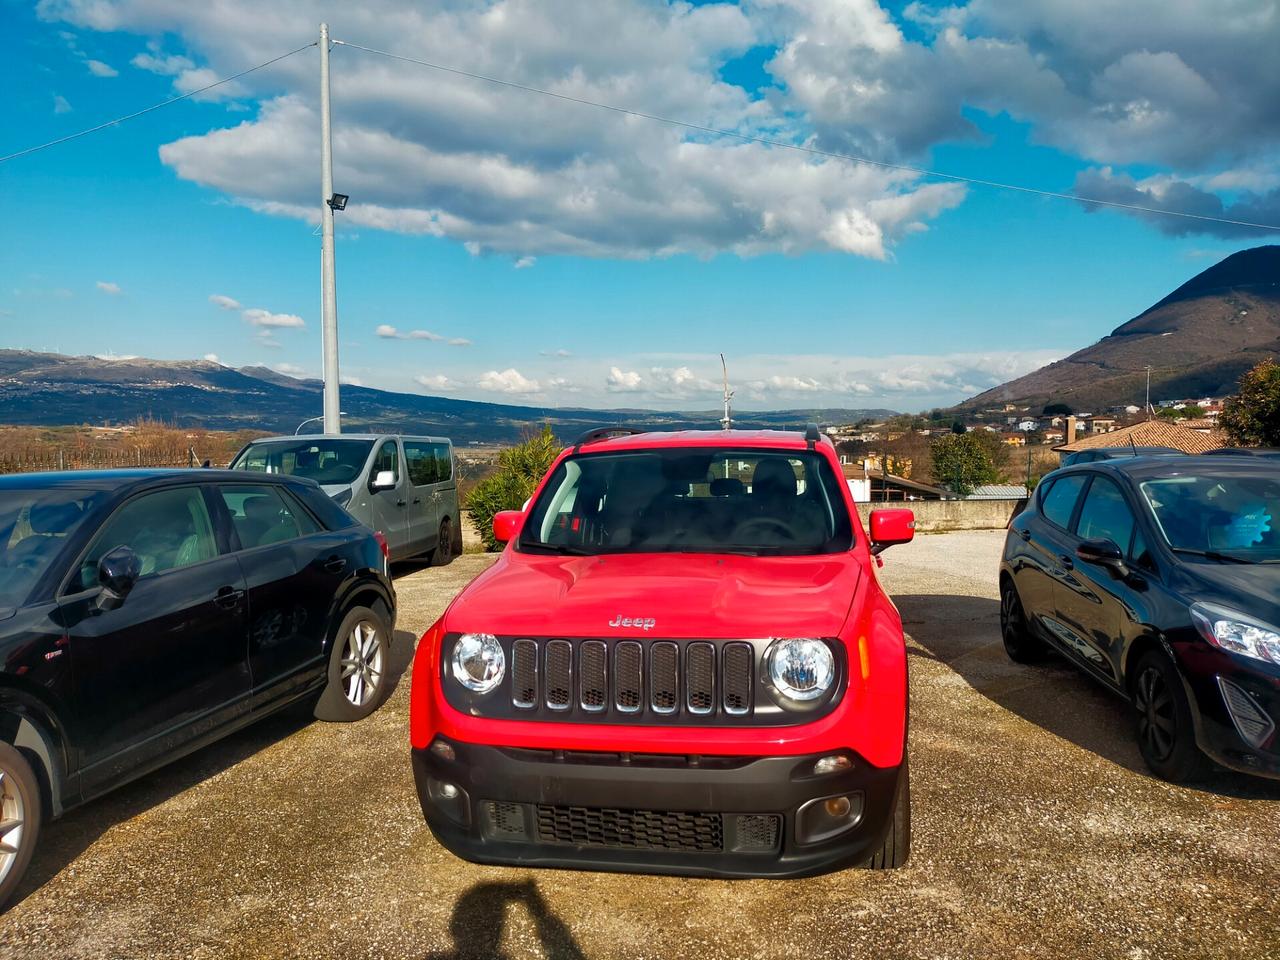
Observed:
{"x":118,"y":571}
{"x":1105,"y":553}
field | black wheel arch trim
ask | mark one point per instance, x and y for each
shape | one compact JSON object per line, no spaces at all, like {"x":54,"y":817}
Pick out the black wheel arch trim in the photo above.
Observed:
{"x":345,"y":599}
{"x":29,"y":724}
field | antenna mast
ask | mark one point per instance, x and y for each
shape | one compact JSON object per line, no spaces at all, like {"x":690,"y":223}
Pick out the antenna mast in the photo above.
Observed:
{"x":726,"y":422}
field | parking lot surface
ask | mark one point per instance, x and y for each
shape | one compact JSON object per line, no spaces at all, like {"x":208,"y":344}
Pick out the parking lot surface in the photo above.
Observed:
{"x":1037,"y":832}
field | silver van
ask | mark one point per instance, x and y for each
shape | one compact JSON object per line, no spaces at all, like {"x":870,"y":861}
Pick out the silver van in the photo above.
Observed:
{"x":401,"y":487}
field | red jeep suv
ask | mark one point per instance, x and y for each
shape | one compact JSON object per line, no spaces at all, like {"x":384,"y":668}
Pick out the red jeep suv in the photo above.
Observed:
{"x":683,"y":662}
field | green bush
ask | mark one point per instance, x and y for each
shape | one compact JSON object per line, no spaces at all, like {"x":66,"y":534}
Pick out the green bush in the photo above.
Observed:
{"x":520,"y":469}
{"x":963,"y":461}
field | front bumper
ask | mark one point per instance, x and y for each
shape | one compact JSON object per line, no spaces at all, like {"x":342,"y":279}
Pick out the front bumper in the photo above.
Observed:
{"x":1218,"y":733}
{"x":674,"y":814}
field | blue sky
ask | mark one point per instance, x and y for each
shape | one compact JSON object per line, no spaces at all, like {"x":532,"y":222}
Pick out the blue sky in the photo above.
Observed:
{"x":553,"y":254}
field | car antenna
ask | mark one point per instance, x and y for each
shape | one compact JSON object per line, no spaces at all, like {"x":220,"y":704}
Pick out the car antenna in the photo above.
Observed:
{"x":726,"y":422}
{"x":1133,"y":446}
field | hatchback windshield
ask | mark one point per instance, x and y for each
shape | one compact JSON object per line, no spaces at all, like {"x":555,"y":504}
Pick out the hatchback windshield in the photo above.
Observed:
{"x":691,"y":500}
{"x":1230,"y":513}
{"x":34,"y":527}
{"x":324,"y":461}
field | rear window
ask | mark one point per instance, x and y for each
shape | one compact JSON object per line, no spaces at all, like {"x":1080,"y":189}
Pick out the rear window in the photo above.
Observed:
{"x":691,"y":500}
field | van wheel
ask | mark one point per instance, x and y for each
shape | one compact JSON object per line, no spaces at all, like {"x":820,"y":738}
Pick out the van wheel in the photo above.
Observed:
{"x":20,"y":814}
{"x":358,"y":665}
{"x":443,"y":552}
{"x":1166,"y":733}
{"x":1019,"y":644}
{"x":897,"y":845}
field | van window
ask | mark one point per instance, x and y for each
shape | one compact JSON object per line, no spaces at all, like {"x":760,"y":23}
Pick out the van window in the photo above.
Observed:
{"x":326,"y":460}
{"x":421,"y":458}
{"x":444,"y":463}
{"x":388,"y":459}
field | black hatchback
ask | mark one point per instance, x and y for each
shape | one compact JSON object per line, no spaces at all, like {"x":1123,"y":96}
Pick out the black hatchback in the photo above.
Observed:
{"x":1160,"y":577}
{"x":146,"y":613}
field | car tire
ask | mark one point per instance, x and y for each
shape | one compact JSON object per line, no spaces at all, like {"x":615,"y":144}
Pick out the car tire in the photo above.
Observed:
{"x":20,"y":818}
{"x":1019,"y":643}
{"x":358,"y":680}
{"x":1164,"y":726}
{"x":896,"y":848}
{"x":443,"y":553}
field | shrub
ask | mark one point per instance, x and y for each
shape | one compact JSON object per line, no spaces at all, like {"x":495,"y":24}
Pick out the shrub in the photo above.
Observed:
{"x":962,"y":462}
{"x":1252,"y":417}
{"x":520,"y":468}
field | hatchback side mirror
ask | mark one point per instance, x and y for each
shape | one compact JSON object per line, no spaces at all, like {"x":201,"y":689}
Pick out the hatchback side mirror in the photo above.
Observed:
{"x":507,"y":524}
{"x":118,"y":572}
{"x":889,"y":527}
{"x":383,"y":480}
{"x":1105,"y":553}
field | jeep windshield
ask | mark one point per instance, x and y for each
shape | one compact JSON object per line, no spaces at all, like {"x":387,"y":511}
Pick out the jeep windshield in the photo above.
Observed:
{"x":327,"y":462}
{"x":690,"y":500}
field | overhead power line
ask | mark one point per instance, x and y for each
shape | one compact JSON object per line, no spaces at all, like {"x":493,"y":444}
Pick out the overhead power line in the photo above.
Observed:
{"x":154,"y":106}
{"x":814,"y":151}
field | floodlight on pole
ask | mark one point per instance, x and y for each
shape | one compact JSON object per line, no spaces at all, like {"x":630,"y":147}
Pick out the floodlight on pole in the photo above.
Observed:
{"x":338,"y":201}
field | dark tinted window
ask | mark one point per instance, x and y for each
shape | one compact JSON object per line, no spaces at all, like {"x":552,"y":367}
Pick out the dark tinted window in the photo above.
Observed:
{"x":444,"y":461}
{"x":263,"y":515}
{"x":1105,"y":515}
{"x":324,"y":461}
{"x":1060,"y":499}
{"x":388,"y":459}
{"x":332,"y":516}
{"x":690,"y":500}
{"x":34,"y":527}
{"x":167,"y":530}
{"x":1140,"y":553}
{"x":420,"y":457}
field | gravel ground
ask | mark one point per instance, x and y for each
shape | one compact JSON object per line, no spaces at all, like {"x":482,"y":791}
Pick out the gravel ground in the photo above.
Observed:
{"x":1037,"y":833}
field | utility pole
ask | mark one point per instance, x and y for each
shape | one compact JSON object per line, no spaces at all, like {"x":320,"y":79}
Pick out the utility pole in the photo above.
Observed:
{"x":1148,"y":409}
{"x":328,"y":294}
{"x":726,"y":421}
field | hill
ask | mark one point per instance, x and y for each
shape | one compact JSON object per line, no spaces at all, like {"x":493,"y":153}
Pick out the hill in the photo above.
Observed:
{"x":51,"y":389}
{"x":1197,"y":340}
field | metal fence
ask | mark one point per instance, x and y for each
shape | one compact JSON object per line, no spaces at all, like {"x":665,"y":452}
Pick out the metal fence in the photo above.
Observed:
{"x":36,"y":462}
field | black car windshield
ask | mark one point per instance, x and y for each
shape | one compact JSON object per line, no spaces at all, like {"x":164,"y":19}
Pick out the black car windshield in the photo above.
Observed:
{"x":1228,"y":513}
{"x":324,"y":461}
{"x":691,"y":500}
{"x":34,"y":526}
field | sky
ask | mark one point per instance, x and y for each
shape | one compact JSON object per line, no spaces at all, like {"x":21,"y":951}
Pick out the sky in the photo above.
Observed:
{"x":502,"y":245}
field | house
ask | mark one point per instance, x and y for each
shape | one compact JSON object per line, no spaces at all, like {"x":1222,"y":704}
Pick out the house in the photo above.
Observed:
{"x":1148,"y":433}
{"x":1015,"y":439}
{"x":886,"y":487}
{"x":1101,"y":425}
{"x":856,"y":476}
{"x":1027,"y":425}
{"x":1053,"y":436}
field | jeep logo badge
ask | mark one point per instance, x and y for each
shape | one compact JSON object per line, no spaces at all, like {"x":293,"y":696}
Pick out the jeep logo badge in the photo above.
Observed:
{"x":640,"y":623}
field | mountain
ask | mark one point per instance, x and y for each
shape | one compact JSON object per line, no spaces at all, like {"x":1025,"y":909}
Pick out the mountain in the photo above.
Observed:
{"x":1197,"y":340}
{"x":51,"y":389}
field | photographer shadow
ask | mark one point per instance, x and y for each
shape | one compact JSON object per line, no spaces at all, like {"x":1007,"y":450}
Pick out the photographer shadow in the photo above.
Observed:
{"x":479,"y":922}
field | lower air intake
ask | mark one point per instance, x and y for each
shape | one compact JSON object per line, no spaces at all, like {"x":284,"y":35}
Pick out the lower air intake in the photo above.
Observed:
{"x":630,"y":829}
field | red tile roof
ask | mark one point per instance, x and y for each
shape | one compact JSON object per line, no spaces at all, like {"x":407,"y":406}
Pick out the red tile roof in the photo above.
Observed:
{"x":1150,"y":433}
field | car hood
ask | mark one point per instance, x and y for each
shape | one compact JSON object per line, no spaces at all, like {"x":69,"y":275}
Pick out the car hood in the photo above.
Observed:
{"x":1252,"y":589}
{"x":659,"y":595}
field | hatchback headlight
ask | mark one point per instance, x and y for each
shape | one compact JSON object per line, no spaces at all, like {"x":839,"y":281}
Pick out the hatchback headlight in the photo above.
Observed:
{"x":801,"y":669}
{"x":478,"y":662}
{"x":1237,"y":632}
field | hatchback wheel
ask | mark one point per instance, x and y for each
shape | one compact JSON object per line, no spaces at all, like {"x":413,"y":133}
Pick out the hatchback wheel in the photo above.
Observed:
{"x":20,"y":812}
{"x":443,"y":552}
{"x":357,"y":667}
{"x":1166,"y":733}
{"x":1019,"y":644}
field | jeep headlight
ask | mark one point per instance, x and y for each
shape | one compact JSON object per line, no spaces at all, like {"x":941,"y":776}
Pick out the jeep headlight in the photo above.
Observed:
{"x":1237,"y":632}
{"x":801,"y":669}
{"x":478,"y":662}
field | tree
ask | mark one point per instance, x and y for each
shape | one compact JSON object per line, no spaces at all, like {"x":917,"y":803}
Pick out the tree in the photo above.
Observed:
{"x":520,"y":469}
{"x":1168,"y":413}
{"x":1057,"y":410}
{"x":962,"y":462}
{"x":1252,"y":417}
{"x":1193,"y":411}
{"x":958,"y":426}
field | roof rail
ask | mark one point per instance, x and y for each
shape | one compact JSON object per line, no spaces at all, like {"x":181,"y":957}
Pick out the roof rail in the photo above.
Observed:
{"x":811,"y":434}
{"x":603,"y":433}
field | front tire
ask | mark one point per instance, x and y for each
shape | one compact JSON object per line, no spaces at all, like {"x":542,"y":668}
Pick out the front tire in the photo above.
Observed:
{"x":1166,"y":731}
{"x":21,"y":811}
{"x":1019,"y":644}
{"x":897,"y":845}
{"x":358,"y":662}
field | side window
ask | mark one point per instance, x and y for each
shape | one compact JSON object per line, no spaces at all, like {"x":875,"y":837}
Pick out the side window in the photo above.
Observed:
{"x":167,"y":530}
{"x":421,"y":460}
{"x":1140,"y":553}
{"x":388,"y":459}
{"x":1060,"y":499}
{"x":444,"y":462}
{"x":1105,"y":514}
{"x":264,"y":515}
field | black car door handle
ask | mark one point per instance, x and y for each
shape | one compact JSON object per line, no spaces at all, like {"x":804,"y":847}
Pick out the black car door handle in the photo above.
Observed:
{"x":228,"y":597}
{"x":335,"y":564}
{"x":417,"y":499}
{"x":1067,"y":562}
{"x":1025,"y":535}
{"x":401,"y":503}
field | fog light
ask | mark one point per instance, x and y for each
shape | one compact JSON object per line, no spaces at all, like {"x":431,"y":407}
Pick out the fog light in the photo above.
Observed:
{"x":444,"y":750}
{"x":828,"y":817}
{"x":837,"y":807}
{"x":836,"y":763}
{"x":449,"y":791}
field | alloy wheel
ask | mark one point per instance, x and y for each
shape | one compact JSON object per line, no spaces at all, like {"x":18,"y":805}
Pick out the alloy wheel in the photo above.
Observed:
{"x":1010,"y":617}
{"x":1157,"y":720}
{"x":362,"y":663}
{"x":12,"y":822}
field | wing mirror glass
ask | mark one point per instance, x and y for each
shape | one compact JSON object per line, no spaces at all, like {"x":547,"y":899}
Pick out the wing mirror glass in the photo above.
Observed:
{"x":384,"y":480}
{"x":889,"y":527}
{"x":118,"y":572}
{"x":1105,"y":553}
{"x":506,"y":525}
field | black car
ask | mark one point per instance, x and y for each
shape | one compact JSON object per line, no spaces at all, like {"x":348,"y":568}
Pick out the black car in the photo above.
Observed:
{"x":146,"y":613}
{"x":1160,"y":577}
{"x":1094,"y":454}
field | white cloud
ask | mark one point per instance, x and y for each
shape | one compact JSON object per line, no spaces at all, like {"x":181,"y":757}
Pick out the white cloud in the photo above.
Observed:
{"x":437,"y":382}
{"x":623,"y":381}
{"x":555,"y":353}
{"x":212,"y":358}
{"x":388,"y":332}
{"x":459,"y":342}
{"x":508,"y":381}
{"x":350,"y":380}
{"x":100,"y":69}
{"x":107,"y":287}
{"x":288,"y":369}
{"x":225,"y":302}
{"x":265,"y":318}
{"x":525,"y":262}
{"x":267,"y":338}
{"x":60,"y":104}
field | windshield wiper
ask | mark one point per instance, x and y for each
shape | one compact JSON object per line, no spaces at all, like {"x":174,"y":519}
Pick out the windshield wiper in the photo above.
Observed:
{"x":567,"y":549}
{"x":1214,"y":555}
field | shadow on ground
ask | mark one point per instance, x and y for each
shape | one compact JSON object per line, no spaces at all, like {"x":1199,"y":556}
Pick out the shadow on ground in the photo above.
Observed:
{"x":65,"y":839}
{"x":964,"y":634}
{"x":479,"y":921}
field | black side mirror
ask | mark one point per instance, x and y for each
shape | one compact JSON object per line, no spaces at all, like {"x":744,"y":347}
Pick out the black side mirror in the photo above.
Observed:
{"x":118,"y":571}
{"x":1105,"y":553}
